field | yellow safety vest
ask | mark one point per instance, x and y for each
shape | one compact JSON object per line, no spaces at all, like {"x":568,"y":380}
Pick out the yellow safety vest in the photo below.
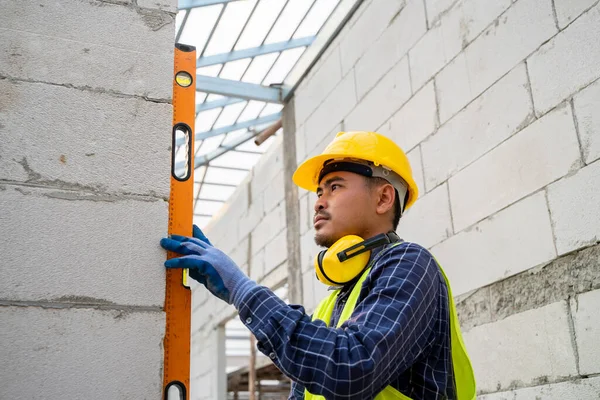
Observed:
{"x":463,"y":372}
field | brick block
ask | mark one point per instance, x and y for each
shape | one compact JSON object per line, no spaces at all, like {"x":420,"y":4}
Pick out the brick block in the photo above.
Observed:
{"x":414,"y":158}
{"x":41,"y":58}
{"x":88,"y":248}
{"x":568,"y":10}
{"x":474,"y":17}
{"x":434,"y":50}
{"x":223,"y":230}
{"x":566,"y":63}
{"x":525,"y":347}
{"x":306,"y":214}
{"x":478,"y":128}
{"x":576,"y":389}
{"x":308,"y":250}
{"x":575,"y":209}
{"x":319,"y":142}
{"x":202,"y":316}
{"x":113,"y":25}
{"x":435,"y":8}
{"x":252,"y":216}
{"x":268,"y":228}
{"x":366,"y":29}
{"x":276,"y":251}
{"x":538,"y":155}
{"x":257,"y":265}
{"x":317,"y":85}
{"x":586,"y":104}
{"x":274,"y":194}
{"x":58,"y":136}
{"x":511,"y":241}
{"x":402,"y":33}
{"x":428,"y":222}
{"x":453,"y":87}
{"x":308,"y":295}
{"x":517,"y":33}
{"x":390,"y":93}
{"x":267,"y":167}
{"x":587,"y":330}
{"x":331,"y":112}
{"x":276,"y":276}
{"x":300,"y":144}
{"x":199,"y":296}
{"x":416,"y":120}
{"x":80,"y":353}
{"x":451,"y":33}
{"x":239,"y":253}
{"x":321,"y":290}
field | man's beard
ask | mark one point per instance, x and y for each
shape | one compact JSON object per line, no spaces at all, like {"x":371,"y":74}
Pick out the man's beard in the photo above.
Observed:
{"x":324,"y":241}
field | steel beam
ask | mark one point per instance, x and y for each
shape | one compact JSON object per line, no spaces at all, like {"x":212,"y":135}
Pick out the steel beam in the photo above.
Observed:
{"x":230,"y":128}
{"x":240,"y":125}
{"x":217,"y":103}
{"x":241,"y":90}
{"x":205,"y":159}
{"x":188,"y":4}
{"x":219,"y":184}
{"x":253,"y":52}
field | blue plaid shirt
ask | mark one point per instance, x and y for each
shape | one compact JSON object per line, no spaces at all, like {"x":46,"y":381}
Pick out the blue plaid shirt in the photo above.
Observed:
{"x":398,"y":334}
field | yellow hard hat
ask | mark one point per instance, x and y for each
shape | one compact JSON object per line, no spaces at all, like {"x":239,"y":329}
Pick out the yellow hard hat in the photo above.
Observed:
{"x":367,"y":146}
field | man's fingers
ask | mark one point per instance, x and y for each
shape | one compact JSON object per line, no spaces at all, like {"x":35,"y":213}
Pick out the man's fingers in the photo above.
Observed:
{"x":185,"y":248}
{"x":192,"y":262}
{"x":184,"y":239}
{"x":198,"y":234}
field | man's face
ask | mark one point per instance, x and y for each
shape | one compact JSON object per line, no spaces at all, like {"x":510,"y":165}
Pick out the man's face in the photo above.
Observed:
{"x":344,"y":205}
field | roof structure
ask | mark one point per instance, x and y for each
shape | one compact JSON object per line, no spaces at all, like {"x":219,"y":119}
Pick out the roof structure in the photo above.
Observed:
{"x":251,"y":56}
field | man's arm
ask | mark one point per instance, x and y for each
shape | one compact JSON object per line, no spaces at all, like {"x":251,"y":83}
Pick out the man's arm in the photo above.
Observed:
{"x":388,"y":330}
{"x":296,"y":391}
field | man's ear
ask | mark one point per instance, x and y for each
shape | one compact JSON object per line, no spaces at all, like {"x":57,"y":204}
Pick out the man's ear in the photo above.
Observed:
{"x":385,"y":199}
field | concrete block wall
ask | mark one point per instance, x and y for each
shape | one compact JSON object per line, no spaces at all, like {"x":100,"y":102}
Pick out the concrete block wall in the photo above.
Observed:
{"x":251,"y":229}
{"x":496,"y":106}
{"x":85,"y":117}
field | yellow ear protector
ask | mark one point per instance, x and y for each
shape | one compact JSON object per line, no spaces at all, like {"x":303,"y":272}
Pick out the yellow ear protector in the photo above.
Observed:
{"x":348,"y":257}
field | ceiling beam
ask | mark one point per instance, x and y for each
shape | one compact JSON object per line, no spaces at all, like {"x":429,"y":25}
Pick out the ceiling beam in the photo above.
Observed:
{"x":205,"y":159}
{"x":217,"y":103}
{"x":253,"y":52}
{"x":230,"y":128}
{"x":241,"y":90}
{"x":188,"y":4}
{"x":240,"y":125}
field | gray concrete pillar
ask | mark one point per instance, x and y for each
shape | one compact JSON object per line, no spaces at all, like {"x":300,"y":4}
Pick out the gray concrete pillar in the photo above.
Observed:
{"x":85,"y":114}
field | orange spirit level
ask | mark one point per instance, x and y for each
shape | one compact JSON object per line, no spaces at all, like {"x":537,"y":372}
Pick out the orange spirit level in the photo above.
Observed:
{"x":178,"y":296}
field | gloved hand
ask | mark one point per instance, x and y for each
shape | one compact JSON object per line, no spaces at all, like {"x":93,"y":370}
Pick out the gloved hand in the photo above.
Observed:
{"x":207,"y":264}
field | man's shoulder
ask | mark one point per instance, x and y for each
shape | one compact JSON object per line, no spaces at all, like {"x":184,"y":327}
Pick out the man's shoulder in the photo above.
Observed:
{"x":404,"y":255}
{"x":405,"y":249}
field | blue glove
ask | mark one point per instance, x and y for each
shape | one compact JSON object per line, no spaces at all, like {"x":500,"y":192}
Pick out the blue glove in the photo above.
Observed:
{"x":207,"y":264}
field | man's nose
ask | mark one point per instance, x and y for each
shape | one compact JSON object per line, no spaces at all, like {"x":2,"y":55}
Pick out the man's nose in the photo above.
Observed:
{"x":320,"y":204}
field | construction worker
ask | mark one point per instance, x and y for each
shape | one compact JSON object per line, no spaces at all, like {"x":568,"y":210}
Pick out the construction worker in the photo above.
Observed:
{"x":388,"y":329}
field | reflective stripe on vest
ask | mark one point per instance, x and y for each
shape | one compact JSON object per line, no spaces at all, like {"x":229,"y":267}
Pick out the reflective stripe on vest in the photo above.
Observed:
{"x":463,"y":372}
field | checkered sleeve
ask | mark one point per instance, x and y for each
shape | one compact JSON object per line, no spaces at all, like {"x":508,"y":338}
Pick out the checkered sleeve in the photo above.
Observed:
{"x":388,"y":330}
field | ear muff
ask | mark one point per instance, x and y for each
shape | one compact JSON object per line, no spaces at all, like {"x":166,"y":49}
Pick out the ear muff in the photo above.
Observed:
{"x":348,"y":257}
{"x":331,"y":271}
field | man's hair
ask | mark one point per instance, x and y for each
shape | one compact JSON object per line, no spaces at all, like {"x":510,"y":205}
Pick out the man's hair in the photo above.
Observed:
{"x":374,"y":182}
